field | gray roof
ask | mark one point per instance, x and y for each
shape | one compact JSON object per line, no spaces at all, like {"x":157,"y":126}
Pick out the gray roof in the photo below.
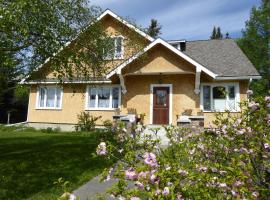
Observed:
{"x":223,"y":57}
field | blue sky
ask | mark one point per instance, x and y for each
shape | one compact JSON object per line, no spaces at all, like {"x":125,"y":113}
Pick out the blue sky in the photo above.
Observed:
{"x":185,"y":19}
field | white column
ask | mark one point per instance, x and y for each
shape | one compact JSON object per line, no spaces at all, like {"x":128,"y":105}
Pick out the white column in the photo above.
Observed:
{"x":197,"y":80}
{"x":122,"y":82}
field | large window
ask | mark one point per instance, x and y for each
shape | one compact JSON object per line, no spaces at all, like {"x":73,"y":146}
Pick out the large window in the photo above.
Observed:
{"x":117,"y":51}
{"x":49,"y":97}
{"x":103,"y":97}
{"x":220,"y":97}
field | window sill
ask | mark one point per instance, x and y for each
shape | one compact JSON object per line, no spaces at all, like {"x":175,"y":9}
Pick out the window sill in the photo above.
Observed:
{"x":215,"y":111}
{"x":48,"y":108}
{"x":100,"y":109}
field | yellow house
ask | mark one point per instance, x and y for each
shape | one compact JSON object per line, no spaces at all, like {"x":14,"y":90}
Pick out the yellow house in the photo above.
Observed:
{"x":177,"y":82}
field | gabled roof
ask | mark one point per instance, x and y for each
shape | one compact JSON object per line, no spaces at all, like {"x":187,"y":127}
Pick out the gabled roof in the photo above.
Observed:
{"x":102,"y":15}
{"x":118,"y":69}
{"x":131,"y":26}
{"x":223,"y":57}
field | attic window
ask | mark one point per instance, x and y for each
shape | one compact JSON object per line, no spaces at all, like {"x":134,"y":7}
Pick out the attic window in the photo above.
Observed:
{"x":118,"y":50}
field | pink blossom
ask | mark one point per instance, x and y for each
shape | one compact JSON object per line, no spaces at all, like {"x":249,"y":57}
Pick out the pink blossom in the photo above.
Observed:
{"x":241,"y":131}
{"x":234,"y":193}
{"x":166,"y":191}
{"x":253,"y":105}
{"x":158,"y":192}
{"x":267,"y":98}
{"x":135,"y":198}
{"x":255,"y":194}
{"x":154,"y":179}
{"x":238,"y":183}
{"x":139,"y":185}
{"x":203,"y":169}
{"x":182,"y":172}
{"x":131,"y":174}
{"x":101,"y":149}
{"x":268,"y":118}
{"x":222,"y":185}
{"x":143,"y":174}
{"x":150,"y":159}
{"x":266,"y":146}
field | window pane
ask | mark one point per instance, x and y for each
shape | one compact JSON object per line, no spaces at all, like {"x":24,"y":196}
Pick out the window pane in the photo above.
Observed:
{"x":206,"y":97}
{"x":231,"y":102}
{"x":118,"y":47}
{"x":219,"y":98}
{"x":115,"y":97}
{"x":50,"y":97}
{"x":231,"y":92}
{"x":104,"y":98}
{"x":92,"y":98}
{"x":41,"y":97}
{"x":58,"y":97}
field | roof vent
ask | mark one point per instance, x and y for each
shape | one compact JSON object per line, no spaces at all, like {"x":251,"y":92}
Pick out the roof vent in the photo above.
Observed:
{"x":178,"y":44}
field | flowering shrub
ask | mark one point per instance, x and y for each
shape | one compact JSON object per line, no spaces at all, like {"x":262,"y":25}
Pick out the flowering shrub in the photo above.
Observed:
{"x":231,"y":160}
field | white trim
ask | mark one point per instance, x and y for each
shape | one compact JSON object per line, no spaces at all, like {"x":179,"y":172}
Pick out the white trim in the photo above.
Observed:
{"x":226,"y":84}
{"x":170,"y":86}
{"x":109,"y":12}
{"x":106,"y":12}
{"x":86,"y":108}
{"x":173,"y":49}
{"x":237,"y":77}
{"x":45,"y":98}
{"x":176,"y":41}
{"x":64,"y":82}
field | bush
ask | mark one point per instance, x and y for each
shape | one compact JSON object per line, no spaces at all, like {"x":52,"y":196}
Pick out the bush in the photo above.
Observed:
{"x":229,"y":161}
{"x":86,"y":122}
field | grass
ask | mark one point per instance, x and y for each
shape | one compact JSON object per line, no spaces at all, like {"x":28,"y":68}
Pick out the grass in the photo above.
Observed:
{"x":30,"y":161}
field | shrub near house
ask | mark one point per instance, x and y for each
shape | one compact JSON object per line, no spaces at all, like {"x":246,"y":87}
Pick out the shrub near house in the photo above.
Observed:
{"x":230,"y":161}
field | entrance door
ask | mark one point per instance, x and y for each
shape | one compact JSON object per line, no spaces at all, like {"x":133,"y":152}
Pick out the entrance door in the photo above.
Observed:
{"x":161,"y":105}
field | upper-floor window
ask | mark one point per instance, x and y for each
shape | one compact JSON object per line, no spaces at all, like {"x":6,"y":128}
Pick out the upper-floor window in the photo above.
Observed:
{"x":103,"y":97}
{"x":49,"y":97}
{"x":117,"y":52}
{"x":220,"y":97}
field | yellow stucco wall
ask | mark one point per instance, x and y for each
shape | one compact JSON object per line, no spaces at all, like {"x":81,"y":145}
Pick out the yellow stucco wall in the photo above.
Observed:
{"x":73,"y":102}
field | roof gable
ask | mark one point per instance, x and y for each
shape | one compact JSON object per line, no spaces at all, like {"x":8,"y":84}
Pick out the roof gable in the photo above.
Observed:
{"x":168,"y":46}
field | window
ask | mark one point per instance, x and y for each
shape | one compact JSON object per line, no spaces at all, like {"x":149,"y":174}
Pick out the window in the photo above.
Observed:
{"x":102,"y":98}
{"x":118,"y":50}
{"x":49,"y":97}
{"x":220,"y":97}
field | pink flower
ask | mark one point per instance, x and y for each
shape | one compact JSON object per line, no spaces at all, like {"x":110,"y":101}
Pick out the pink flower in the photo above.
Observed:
{"x":268,"y":118}
{"x":238,"y":184}
{"x":166,"y":191}
{"x":240,"y":132}
{"x":158,"y":192}
{"x":182,"y":172}
{"x":249,"y":92}
{"x":139,"y":185}
{"x":143,"y":174}
{"x":266,"y":146}
{"x":154,"y":179}
{"x":150,"y":159}
{"x":267,"y":99}
{"x":101,"y":149}
{"x":135,"y":198}
{"x":253,"y":105}
{"x":223,"y":185}
{"x":131,"y":174}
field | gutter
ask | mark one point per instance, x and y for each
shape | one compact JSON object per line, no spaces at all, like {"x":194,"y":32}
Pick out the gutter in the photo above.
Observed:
{"x":238,"y":77}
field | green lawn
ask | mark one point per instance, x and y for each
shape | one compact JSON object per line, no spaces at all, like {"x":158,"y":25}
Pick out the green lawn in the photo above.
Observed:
{"x":30,"y":161}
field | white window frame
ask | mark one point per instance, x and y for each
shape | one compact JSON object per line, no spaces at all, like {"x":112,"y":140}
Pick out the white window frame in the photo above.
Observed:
{"x":122,"y":49}
{"x":226,"y":85}
{"x":45,"y":98}
{"x":97,"y":87}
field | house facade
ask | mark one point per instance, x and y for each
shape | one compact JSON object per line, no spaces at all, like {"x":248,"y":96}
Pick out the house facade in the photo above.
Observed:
{"x":167,"y":81}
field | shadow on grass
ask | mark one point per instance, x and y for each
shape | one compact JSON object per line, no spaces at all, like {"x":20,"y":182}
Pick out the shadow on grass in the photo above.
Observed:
{"x":30,"y":164}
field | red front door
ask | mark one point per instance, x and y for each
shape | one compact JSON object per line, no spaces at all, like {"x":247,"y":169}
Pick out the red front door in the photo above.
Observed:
{"x":161,"y":105}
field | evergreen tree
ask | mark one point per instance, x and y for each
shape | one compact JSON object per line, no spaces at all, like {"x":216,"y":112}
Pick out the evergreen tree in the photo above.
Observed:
{"x":256,"y":44}
{"x":216,"y":33}
{"x":154,"y":28}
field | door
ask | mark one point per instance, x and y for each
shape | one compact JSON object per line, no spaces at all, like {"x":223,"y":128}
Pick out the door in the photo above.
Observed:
{"x":161,"y":105}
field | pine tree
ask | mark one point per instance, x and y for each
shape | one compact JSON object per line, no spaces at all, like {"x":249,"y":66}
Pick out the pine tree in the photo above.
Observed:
{"x":214,"y":33}
{"x":219,"y":34}
{"x":154,"y":28}
{"x":255,"y":44}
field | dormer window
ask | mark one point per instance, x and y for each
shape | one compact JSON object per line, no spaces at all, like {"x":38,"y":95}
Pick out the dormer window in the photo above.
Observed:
{"x":118,"y":48}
